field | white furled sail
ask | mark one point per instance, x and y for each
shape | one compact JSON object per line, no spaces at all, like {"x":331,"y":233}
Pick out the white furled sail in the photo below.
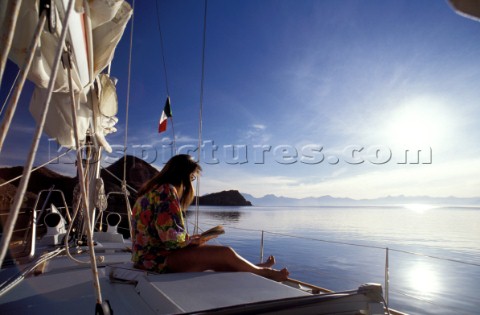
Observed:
{"x":59,"y":124}
{"x":94,"y":30}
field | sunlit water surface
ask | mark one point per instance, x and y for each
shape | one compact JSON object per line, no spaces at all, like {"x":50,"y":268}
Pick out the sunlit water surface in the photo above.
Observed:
{"x":433,"y":253}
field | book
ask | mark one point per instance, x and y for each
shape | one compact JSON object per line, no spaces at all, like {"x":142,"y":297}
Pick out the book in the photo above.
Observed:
{"x":212,"y":233}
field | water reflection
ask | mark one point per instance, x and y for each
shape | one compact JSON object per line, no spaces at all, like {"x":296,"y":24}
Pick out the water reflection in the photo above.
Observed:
{"x":424,"y":280}
{"x":226,"y":216}
{"x":418,"y":284}
{"x":417,"y":207}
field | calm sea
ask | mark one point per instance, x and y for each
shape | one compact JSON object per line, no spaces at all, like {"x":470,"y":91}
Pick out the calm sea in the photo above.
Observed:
{"x":433,"y":253}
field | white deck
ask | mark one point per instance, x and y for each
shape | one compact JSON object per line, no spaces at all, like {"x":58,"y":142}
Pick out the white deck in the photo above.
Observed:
{"x":189,"y":292}
{"x":67,"y":288}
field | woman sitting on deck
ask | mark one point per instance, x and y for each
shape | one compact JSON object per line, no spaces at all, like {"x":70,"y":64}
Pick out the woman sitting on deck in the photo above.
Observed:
{"x":160,"y":240}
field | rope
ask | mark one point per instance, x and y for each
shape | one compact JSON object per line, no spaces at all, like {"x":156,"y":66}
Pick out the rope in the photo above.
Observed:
{"x":94,"y":268}
{"x":13,"y":281}
{"x":165,"y":70}
{"x":200,"y":118}
{"x":86,"y":179}
{"x":22,"y":187}
{"x":66,"y":240}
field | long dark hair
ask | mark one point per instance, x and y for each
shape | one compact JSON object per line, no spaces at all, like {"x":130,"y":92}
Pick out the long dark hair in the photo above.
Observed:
{"x":177,"y":172}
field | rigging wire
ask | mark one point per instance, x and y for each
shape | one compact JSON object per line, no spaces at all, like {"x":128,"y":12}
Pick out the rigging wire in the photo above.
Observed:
{"x":10,"y":92}
{"x":36,"y":168}
{"x":12,"y":107}
{"x":162,"y":49}
{"x":124,"y":183}
{"x":128,"y":97}
{"x":8,"y":30}
{"x":200,"y":118}
{"x":165,"y":71}
{"x":22,"y":187}
{"x":471,"y":263}
{"x":83,"y":185}
{"x":119,"y":179}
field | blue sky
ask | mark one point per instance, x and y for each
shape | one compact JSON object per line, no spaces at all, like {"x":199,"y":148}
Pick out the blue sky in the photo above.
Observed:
{"x":295,"y":88}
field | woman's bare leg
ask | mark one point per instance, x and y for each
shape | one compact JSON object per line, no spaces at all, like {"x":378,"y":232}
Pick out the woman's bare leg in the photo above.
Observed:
{"x":218,"y":258}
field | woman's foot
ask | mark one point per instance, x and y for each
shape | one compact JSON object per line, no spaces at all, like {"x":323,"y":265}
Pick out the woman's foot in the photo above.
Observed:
{"x":269,"y":263}
{"x":276,"y":275}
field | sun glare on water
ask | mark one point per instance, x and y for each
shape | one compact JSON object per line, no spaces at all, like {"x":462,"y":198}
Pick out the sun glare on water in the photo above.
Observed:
{"x":418,"y":207}
{"x":424,"y":280}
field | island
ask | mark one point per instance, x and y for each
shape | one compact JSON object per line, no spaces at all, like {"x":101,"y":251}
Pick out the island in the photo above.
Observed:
{"x":224,"y":198}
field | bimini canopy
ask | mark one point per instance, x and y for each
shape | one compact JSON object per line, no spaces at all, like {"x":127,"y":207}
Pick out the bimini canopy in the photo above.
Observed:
{"x":94,"y":30}
{"x":467,"y":8}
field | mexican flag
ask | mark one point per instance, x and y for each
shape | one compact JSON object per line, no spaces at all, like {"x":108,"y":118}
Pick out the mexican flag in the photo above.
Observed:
{"x":166,"y":113}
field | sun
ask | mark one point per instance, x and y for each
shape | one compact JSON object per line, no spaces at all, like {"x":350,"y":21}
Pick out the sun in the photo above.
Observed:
{"x":419,"y":123}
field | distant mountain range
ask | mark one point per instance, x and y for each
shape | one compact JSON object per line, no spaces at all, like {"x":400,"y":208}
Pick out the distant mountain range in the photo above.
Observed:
{"x":272,"y":200}
{"x":139,"y":171}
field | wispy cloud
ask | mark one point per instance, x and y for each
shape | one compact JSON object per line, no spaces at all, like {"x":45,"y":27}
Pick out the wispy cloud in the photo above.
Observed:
{"x":459,"y":178}
{"x":255,"y":133}
{"x":27,"y":129}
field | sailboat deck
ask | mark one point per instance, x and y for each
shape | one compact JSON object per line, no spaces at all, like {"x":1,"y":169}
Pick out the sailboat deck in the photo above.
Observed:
{"x":129,"y":290}
{"x":64,"y":287}
{"x":188,"y":292}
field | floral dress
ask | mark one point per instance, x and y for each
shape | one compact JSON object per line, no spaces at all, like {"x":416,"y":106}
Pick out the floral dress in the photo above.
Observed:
{"x":158,"y":228}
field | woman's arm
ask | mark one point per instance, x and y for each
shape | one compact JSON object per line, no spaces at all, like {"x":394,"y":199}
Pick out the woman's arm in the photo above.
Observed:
{"x":169,"y":222}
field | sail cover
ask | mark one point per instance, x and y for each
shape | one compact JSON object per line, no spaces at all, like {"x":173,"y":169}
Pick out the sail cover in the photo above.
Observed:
{"x":94,"y":30}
